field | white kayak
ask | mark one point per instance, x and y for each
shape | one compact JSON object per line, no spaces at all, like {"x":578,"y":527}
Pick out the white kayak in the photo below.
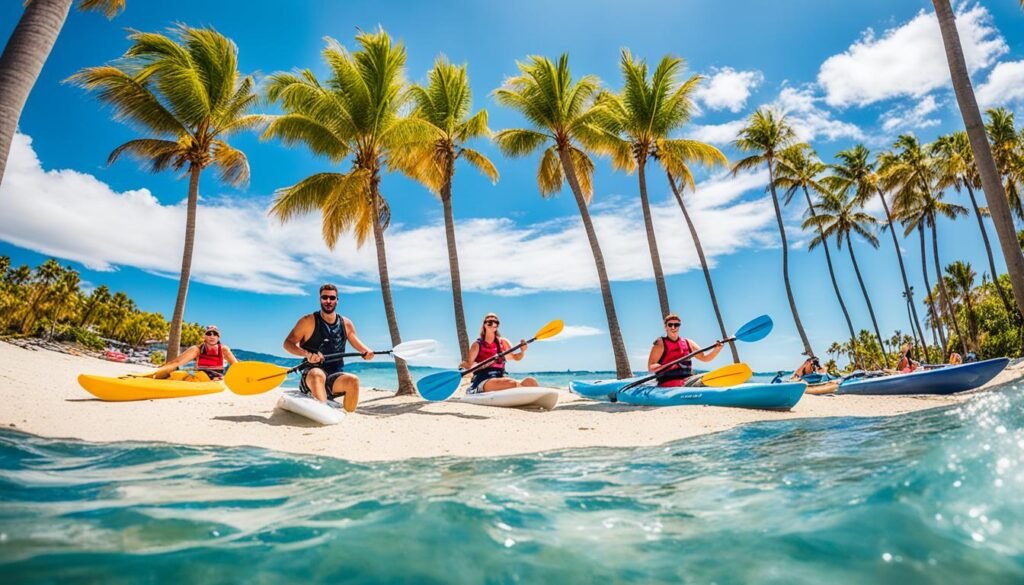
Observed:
{"x":522,"y":397}
{"x":306,"y":406}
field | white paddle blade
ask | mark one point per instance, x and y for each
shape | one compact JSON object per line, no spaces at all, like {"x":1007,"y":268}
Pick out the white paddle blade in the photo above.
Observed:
{"x":415,"y":348}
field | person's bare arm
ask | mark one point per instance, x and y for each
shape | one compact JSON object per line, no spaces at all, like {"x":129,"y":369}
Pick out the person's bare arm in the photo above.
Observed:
{"x":300,"y":333}
{"x":228,"y":356}
{"x":657,"y":350}
{"x":707,"y":355}
{"x":474,"y":349}
{"x":350,"y":331}
{"x":184,"y":358}
{"x":507,"y":345}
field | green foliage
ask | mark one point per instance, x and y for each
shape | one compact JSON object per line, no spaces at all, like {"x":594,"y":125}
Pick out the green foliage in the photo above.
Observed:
{"x":191,"y":334}
{"x":157,"y":358}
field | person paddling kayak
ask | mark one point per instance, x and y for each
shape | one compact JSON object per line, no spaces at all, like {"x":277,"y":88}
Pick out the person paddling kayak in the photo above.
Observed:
{"x":321,"y":333}
{"x":210,"y":357}
{"x":672,"y":347}
{"x":490,"y":343}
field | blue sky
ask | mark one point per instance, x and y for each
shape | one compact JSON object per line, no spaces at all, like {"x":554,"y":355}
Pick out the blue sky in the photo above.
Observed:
{"x":845,"y":75}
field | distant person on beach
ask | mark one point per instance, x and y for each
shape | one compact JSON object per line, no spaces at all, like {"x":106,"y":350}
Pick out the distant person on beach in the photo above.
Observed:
{"x":210,"y":357}
{"x":322,"y":333}
{"x":672,"y":347}
{"x":811,"y":365}
{"x":906,"y":363}
{"x":493,"y":377}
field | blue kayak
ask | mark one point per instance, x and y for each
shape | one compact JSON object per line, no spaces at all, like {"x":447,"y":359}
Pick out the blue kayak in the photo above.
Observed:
{"x":945,"y":380}
{"x":767,"y":396}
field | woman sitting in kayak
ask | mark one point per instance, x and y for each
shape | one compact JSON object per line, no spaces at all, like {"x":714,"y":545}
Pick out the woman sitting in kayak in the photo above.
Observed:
{"x":209,"y":356}
{"x":672,"y":347}
{"x":906,"y":363}
{"x":493,"y":377}
{"x":810,"y":366}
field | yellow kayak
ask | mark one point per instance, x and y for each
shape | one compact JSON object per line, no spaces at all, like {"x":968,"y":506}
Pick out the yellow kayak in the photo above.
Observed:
{"x":120,"y":389}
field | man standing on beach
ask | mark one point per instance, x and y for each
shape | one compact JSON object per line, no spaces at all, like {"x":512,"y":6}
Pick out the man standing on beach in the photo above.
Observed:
{"x":322,"y":333}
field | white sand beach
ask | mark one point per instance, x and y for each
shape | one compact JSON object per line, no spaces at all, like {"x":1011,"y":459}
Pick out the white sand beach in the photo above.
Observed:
{"x":41,"y":396}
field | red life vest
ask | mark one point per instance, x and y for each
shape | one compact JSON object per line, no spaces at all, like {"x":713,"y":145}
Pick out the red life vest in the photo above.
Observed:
{"x":488,"y":350}
{"x":673,"y":351}
{"x":209,"y":359}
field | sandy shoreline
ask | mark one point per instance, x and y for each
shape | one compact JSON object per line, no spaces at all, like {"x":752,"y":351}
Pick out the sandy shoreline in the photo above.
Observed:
{"x":41,"y":396}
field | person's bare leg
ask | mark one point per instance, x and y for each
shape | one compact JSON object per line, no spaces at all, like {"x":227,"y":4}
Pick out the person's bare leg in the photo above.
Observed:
{"x":315,"y":381}
{"x":347,"y":385}
{"x":529,"y":381}
{"x":496,"y":384}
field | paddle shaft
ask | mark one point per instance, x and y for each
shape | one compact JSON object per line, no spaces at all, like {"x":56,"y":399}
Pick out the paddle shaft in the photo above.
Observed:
{"x":496,"y":356}
{"x":331,"y":357}
{"x":667,"y":365}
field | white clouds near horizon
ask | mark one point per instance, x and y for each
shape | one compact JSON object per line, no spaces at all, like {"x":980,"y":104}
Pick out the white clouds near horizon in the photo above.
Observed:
{"x":75,"y":216}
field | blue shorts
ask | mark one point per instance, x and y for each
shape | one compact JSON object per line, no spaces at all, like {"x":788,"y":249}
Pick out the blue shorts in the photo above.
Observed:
{"x":482,"y":376}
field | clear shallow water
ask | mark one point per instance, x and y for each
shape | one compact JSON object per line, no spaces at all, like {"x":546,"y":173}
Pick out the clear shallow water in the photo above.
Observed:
{"x":932,"y":497}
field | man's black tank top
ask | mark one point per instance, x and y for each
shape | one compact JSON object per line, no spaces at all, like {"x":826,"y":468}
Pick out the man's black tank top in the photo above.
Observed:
{"x":328,"y":338}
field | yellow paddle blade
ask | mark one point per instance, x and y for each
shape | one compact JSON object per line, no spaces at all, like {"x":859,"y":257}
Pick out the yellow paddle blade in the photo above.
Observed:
{"x":551,"y":329}
{"x":731,"y":375}
{"x":254,"y":377}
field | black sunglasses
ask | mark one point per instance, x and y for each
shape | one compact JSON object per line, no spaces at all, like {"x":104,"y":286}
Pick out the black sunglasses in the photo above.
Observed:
{"x":213,"y":333}
{"x":491,"y":322}
{"x":672,"y":325}
{"x":328,"y":298}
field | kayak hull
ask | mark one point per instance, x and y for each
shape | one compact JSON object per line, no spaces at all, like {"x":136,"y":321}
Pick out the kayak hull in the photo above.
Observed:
{"x":126,"y":389}
{"x":761,"y":396}
{"x":522,"y":397}
{"x":308,"y":407}
{"x":946,"y":380}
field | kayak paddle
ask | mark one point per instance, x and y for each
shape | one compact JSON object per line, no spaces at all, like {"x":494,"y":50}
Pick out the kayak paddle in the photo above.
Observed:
{"x":441,"y":385}
{"x":730,"y":375}
{"x":755,"y":330}
{"x":252,"y":377}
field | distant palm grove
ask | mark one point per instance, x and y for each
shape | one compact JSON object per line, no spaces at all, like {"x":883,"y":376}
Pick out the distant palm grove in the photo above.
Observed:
{"x":183,"y":93}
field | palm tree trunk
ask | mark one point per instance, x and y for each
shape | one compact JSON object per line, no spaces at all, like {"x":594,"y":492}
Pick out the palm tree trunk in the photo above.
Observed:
{"x":704,"y":265}
{"x":405,"y":383}
{"x":832,"y":274}
{"x":988,"y":250}
{"x":23,"y":58}
{"x":995,"y":195}
{"x":174,"y":336}
{"x":867,"y":299}
{"x":937,"y":322}
{"x":944,"y":297}
{"x":652,"y":241}
{"x":903,"y":268}
{"x":453,"y":267}
{"x":622,"y":369}
{"x":785,"y":261}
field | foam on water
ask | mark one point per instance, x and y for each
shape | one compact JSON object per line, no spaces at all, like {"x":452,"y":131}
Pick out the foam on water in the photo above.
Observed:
{"x":934,"y":497}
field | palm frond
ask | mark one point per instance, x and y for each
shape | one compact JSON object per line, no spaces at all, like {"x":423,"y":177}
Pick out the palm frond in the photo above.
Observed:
{"x":519,"y":142}
{"x":550,"y":176}
{"x":480,"y":162}
{"x":231,"y":163}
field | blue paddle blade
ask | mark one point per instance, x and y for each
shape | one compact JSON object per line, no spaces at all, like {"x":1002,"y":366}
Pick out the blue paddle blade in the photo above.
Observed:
{"x":439,"y":385}
{"x":755,"y":330}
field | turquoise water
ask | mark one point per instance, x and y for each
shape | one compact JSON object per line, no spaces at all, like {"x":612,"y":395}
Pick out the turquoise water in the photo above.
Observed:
{"x":932,"y":497}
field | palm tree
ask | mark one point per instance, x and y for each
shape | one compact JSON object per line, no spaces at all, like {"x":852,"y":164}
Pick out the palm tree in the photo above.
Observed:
{"x":990,"y":181}
{"x":26,"y":52}
{"x":642,"y":117}
{"x":838,"y":217}
{"x":354,"y":116}
{"x":445,"y":103}
{"x":94,"y":306}
{"x":961,"y":276}
{"x":798,"y":170}
{"x":922,"y":208}
{"x":766,"y":135}
{"x":955,"y":161}
{"x":854,"y":175}
{"x":190,"y":97}
{"x":644,"y":114}
{"x":563,"y":115}
{"x":1006,"y":148}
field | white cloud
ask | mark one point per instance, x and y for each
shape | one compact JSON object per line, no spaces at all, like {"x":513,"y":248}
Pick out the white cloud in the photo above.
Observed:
{"x":74,"y":216}
{"x":909,"y":117}
{"x":908,"y":60}
{"x":809,"y":119}
{"x":1005,"y":85}
{"x":717,"y":133}
{"x":574,"y":331}
{"x":728,"y":89}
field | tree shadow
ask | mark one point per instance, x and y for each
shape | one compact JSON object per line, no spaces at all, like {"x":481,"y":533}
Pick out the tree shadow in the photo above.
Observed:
{"x":603,"y":407}
{"x":279,"y":418}
{"x":388,"y":410}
